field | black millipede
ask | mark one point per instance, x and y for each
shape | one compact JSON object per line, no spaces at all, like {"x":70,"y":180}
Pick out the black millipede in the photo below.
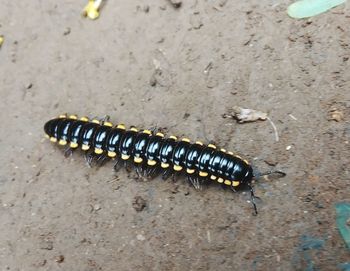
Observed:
{"x":151,"y":152}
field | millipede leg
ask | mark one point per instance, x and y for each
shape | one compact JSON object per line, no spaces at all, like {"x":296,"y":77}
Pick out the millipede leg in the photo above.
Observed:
{"x":195,"y":182}
{"x":89,"y":158}
{"x":153,"y":171}
{"x":139,"y":171}
{"x":166,"y":174}
{"x":233,"y":189}
{"x":117,"y":165}
{"x":100,"y":160}
{"x":106,"y":118}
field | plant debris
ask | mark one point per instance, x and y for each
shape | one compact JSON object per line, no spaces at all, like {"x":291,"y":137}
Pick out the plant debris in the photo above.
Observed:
{"x":343,"y":218}
{"x":245,"y":115}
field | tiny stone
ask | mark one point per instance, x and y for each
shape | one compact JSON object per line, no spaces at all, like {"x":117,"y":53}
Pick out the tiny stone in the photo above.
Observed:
{"x":42,"y":263}
{"x":176,"y":3}
{"x":139,"y":203}
{"x":59,"y":259}
{"x":29,"y":86}
{"x":186,"y":115}
{"x":46,"y":244}
{"x":337,"y":115}
{"x":270,"y":162}
{"x":146,"y":8}
{"x":66,"y":31}
{"x":153,"y":81}
{"x":140,"y":237}
{"x":97,"y":207}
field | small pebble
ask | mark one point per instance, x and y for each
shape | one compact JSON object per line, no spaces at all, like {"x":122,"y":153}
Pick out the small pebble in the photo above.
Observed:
{"x":176,"y":3}
{"x":66,"y":31}
{"x":46,"y":244}
{"x":139,"y":203}
{"x":59,"y":259}
{"x":145,"y":8}
{"x":140,"y":237}
{"x":97,"y":207}
{"x":288,"y":147}
{"x":336,"y":115}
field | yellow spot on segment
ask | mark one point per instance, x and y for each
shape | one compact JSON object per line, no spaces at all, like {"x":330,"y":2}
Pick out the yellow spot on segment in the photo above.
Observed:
{"x":98,"y":151}
{"x":63,"y":116}
{"x":230,"y":153}
{"x":227,"y":182}
{"x":151,"y":162}
{"x":84,"y":119}
{"x":111,"y":154}
{"x":62,"y":142}
{"x":107,"y":123}
{"x":138,"y":160}
{"x":95,"y":121}
{"x":220,"y":180}
{"x":190,"y":171}
{"x":223,"y":150}
{"x":186,"y":139}
{"x":212,"y":146}
{"x":85,"y":147}
{"x":164,"y":165}
{"x":235,"y":183}
{"x":237,"y":156}
{"x":148,"y":132}
{"x":133,"y":129}
{"x":173,"y":137}
{"x":160,"y":134}
{"x":203,"y":174}
{"x":53,"y":139}
{"x":73,"y":117}
{"x":73,"y":145}
{"x":121,"y":126}
{"x":177,"y":168}
{"x":199,"y":143}
{"x":212,"y":177}
{"x":246,"y":161}
{"x":125,"y":156}
{"x":47,"y":136}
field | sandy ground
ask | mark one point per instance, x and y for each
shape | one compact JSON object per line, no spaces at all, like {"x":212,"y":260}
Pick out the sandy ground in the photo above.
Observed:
{"x":149,"y":64}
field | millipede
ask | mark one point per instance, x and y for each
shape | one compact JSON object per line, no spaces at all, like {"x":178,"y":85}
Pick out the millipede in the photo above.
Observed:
{"x":150,"y":152}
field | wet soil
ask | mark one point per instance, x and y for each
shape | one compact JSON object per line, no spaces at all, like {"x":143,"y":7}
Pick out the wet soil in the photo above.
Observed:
{"x":151,"y":64}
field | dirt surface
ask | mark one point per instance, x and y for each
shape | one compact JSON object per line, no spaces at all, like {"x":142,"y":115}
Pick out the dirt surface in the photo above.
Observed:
{"x":148,"y":64}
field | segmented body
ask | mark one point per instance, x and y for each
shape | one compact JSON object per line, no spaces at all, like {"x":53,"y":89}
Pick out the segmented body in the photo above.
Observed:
{"x":150,"y":149}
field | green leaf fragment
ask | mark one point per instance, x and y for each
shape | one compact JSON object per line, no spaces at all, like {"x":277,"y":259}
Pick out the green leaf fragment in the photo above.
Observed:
{"x":309,"y":8}
{"x":343,"y":221}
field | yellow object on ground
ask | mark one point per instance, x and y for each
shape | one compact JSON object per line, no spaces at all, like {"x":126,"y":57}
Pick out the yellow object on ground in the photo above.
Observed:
{"x":91,"y":10}
{"x":2,"y":39}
